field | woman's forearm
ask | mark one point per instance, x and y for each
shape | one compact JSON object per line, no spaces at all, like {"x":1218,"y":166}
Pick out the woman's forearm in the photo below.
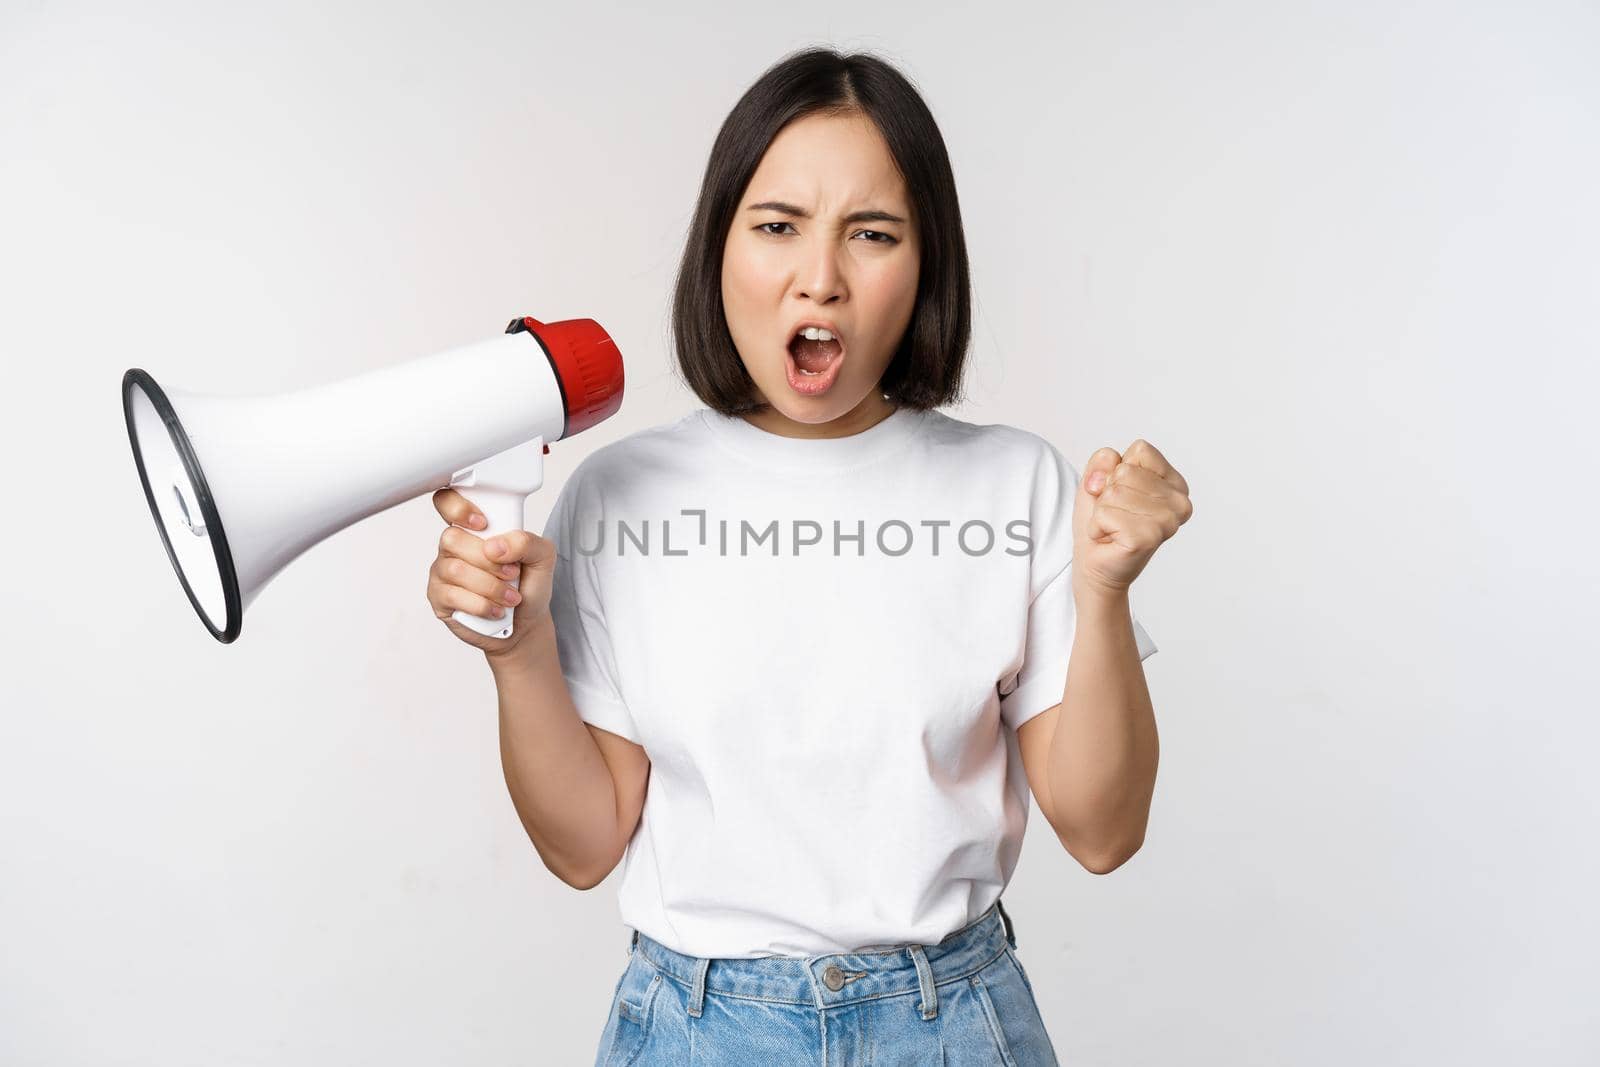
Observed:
{"x":1104,"y":753}
{"x":560,"y":784}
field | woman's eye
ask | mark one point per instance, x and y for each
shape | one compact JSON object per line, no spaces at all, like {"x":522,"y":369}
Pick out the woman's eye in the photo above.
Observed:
{"x":877,"y":238}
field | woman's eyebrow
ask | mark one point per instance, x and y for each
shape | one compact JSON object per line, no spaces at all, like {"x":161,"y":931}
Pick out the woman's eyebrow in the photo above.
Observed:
{"x":854,"y":216}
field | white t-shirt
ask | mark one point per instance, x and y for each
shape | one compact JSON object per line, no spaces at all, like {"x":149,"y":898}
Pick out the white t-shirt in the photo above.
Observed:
{"x":830,"y":723}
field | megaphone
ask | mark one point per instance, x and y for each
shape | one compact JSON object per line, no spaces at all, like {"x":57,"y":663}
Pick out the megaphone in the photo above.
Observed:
{"x":240,"y":486}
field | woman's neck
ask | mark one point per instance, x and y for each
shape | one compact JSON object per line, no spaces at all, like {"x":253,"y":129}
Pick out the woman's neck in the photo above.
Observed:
{"x":873,"y":409}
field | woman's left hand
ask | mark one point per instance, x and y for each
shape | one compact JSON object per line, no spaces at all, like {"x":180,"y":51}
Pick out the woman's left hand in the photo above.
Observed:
{"x":1127,"y":506}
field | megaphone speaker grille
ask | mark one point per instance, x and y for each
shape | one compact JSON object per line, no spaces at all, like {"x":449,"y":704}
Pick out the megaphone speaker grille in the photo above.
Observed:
{"x":182,"y":505}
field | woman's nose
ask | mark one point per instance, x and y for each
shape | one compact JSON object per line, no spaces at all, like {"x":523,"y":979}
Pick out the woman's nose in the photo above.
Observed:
{"x":821,"y":278}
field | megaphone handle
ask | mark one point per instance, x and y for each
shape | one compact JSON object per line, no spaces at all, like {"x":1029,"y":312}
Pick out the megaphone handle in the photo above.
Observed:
{"x":504,"y":510}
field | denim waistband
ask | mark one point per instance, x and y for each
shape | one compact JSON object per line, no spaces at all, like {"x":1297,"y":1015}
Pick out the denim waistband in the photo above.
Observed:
{"x":837,"y":978}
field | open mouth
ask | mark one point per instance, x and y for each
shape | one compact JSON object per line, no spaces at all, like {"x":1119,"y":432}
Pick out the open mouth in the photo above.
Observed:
{"x":814,"y":359}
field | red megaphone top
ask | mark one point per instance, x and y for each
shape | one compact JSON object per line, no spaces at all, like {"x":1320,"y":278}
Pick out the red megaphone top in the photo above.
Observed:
{"x":587,"y":365}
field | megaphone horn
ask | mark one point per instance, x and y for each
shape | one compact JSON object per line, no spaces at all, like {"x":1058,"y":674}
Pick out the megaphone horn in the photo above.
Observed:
{"x":240,"y":486}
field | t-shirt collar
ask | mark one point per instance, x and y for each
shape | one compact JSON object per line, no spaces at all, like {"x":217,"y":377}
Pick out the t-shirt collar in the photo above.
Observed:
{"x":814,"y":453}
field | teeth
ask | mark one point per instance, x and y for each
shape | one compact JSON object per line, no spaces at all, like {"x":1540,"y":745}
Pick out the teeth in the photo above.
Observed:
{"x":816,"y":333}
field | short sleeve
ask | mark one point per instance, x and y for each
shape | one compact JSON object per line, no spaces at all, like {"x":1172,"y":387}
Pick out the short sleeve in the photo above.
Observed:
{"x":583,"y":642}
{"x":1037,"y":685}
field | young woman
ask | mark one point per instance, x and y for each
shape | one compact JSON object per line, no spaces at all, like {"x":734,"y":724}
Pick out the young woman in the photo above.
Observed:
{"x":798,"y":657}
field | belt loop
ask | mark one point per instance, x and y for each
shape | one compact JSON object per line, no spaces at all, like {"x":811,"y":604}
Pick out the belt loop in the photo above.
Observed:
{"x":633,"y":942}
{"x":1011,"y":937}
{"x":697,"y":994}
{"x":930,"y":996}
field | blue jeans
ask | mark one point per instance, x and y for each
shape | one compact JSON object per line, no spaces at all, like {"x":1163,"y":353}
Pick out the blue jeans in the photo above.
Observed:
{"x":965,"y":1002}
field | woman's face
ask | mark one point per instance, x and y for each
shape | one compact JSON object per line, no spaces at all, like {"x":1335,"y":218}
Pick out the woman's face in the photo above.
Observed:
{"x":823,"y":234}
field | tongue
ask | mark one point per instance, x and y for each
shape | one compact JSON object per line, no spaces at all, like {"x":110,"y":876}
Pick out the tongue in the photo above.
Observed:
{"x":814,"y":355}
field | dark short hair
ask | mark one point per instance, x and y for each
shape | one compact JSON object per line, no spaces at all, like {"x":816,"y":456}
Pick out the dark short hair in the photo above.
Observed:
{"x":925,"y":371}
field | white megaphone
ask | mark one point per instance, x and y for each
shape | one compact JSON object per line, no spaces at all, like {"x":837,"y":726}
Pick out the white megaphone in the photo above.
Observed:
{"x":240,"y":486}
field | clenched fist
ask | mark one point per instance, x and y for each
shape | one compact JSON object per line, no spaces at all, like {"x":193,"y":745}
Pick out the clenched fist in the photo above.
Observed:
{"x":1127,"y":505}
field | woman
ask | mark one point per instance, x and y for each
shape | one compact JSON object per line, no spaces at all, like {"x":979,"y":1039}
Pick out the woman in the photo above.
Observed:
{"x":826,"y":624}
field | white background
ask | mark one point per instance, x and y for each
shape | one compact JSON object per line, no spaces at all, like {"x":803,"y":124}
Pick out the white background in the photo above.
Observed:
{"x":1336,"y":260}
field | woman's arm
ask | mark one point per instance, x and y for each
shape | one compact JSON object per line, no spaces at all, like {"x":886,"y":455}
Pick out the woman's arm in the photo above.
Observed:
{"x":578,"y":803}
{"x":1100,"y":766}
{"x":1103,"y":753}
{"x":1092,"y":768}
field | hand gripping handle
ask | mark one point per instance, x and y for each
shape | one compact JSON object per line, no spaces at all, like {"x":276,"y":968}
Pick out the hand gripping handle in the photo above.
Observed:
{"x":499,"y":487}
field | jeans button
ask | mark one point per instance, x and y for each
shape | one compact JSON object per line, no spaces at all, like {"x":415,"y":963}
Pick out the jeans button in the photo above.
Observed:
{"x":833,"y":978}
